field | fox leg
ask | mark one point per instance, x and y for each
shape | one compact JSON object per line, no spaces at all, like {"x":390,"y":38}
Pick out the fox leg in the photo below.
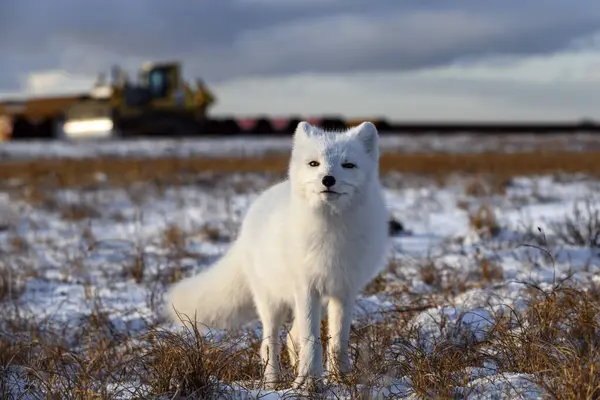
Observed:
{"x":292,"y":342}
{"x":339,"y":321}
{"x":272,"y":319}
{"x":308,"y":318}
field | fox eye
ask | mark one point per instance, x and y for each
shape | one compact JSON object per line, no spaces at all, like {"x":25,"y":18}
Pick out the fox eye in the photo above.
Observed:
{"x":314,"y":163}
{"x":348,"y":165}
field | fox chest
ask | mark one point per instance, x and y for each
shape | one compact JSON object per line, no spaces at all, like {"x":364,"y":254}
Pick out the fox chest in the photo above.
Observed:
{"x":334,"y":261}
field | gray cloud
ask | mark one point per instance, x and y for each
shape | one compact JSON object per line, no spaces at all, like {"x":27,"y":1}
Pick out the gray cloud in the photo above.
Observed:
{"x":232,"y":38}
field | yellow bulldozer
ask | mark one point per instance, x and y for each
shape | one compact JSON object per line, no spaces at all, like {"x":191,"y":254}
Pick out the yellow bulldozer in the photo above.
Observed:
{"x":159,"y":103}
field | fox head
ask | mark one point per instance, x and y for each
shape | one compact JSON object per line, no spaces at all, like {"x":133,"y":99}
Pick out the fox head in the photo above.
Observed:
{"x":333,"y":169}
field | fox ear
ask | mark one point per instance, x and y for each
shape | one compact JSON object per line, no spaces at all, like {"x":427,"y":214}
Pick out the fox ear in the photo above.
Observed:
{"x":368,"y":135}
{"x":303,"y":130}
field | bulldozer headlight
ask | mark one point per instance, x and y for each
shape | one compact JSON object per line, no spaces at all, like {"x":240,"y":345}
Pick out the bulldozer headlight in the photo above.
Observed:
{"x":89,"y":127}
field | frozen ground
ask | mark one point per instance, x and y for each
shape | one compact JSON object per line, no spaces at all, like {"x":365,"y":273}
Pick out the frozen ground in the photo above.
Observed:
{"x":75,"y":256}
{"x":252,"y":146}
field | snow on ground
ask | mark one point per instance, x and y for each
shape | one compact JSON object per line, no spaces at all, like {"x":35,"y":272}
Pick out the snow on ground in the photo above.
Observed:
{"x":246,"y":146}
{"x":67,"y":264}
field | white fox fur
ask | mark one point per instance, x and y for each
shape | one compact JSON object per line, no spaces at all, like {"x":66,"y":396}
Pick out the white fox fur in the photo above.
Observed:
{"x":303,"y":250}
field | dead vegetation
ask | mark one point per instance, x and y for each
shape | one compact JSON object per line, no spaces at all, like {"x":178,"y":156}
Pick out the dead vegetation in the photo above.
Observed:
{"x":484,"y":221}
{"x":494,"y":169}
{"x":582,"y":227}
{"x":11,"y":283}
{"x":555,"y":342}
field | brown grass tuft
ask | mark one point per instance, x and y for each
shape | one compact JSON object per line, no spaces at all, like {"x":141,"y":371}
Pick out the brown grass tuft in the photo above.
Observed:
{"x":582,"y":227}
{"x":484,"y":222}
{"x":78,"y":212}
{"x":558,"y":340}
{"x":11,"y":283}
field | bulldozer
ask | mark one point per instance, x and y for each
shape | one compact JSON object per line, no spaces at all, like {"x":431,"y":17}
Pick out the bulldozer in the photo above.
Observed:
{"x":160,"y":103}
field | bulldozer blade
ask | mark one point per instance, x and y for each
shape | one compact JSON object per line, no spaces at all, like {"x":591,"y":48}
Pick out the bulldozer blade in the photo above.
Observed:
{"x":88,"y":119}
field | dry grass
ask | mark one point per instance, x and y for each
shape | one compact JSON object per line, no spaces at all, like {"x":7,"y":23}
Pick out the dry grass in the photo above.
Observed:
{"x":484,"y":222}
{"x":121,"y":171}
{"x":11,"y":284}
{"x":582,"y":228}
{"x":556,"y":340}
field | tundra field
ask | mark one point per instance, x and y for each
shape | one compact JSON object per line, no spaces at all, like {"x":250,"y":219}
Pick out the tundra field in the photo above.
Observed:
{"x":492,"y":288}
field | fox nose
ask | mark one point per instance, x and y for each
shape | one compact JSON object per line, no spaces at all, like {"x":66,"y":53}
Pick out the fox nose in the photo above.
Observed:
{"x":328,"y":181}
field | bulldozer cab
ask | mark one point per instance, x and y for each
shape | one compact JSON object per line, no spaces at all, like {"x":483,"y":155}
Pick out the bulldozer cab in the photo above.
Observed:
{"x":158,"y":87}
{"x":160,"y":81}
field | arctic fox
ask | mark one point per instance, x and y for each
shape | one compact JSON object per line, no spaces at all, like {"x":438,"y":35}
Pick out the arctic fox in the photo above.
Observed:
{"x":307,"y":245}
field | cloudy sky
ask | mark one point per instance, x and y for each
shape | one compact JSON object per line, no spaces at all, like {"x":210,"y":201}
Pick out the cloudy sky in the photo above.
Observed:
{"x":410,"y":59}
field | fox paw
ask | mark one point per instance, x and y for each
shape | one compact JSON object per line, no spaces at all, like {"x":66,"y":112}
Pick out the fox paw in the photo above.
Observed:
{"x":309,"y":384}
{"x":271,"y":381}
